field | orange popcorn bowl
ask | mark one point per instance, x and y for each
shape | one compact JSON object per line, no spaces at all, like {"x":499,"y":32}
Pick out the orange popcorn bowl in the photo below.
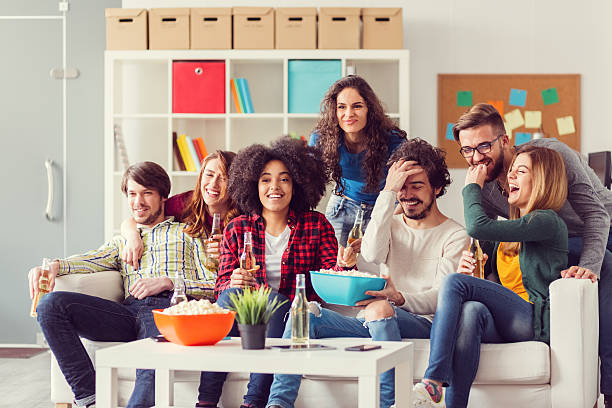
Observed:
{"x":194,"y":330}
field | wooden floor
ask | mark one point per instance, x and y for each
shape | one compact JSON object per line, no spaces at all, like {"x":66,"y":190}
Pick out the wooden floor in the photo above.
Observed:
{"x":25,"y":382}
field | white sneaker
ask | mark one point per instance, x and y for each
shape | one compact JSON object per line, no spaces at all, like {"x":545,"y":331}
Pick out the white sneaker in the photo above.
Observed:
{"x":422,"y":399}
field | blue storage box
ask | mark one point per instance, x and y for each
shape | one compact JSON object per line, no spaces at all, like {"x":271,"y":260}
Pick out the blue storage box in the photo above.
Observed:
{"x":309,"y":80}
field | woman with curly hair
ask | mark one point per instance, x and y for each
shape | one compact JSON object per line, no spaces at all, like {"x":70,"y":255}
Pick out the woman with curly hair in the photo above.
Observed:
{"x":195,"y":208}
{"x":356,"y":139}
{"x":276,"y":187}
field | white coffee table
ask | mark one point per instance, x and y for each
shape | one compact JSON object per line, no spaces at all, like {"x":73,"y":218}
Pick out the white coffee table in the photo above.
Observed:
{"x":228,"y":356}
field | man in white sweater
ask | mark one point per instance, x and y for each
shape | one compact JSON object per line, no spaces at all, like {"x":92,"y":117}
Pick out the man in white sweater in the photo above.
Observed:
{"x":415,"y":248}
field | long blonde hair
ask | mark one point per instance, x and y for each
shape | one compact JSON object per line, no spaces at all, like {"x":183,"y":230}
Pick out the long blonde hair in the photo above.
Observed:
{"x":548,"y":186}
{"x":197,"y":210}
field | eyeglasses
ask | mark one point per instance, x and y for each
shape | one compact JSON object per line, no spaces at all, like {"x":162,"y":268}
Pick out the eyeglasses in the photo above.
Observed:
{"x":483,"y":148}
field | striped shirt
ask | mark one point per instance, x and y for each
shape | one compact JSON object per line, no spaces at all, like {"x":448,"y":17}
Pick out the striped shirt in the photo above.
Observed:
{"x":168,"y":252}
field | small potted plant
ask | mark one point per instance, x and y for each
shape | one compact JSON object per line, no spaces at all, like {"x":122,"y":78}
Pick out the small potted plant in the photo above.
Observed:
{"x":253,"y":312}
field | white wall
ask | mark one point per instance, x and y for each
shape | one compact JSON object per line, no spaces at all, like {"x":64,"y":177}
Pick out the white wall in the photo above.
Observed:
{"x":489,"y":36}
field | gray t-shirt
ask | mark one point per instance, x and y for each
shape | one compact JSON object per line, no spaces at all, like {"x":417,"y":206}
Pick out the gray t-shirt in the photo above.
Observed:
{"x":586,"y":211}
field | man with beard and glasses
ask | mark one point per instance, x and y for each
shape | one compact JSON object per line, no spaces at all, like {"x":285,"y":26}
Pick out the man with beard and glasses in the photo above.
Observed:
{"x":415,"y":248}
{"x":481,"y":134}
{"x":169,"y":253}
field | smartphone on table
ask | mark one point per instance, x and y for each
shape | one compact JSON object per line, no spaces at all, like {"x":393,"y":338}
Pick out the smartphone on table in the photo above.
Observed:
{"x":363,"y":347}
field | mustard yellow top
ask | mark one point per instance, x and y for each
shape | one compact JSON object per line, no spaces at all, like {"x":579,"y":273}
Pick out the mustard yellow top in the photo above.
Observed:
{"x":509,"y":271}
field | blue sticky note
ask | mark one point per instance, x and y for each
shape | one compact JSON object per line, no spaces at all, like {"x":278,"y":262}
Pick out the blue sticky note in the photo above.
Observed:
{"x":449,"y":131}
{"x":518,"y":97}
{"x":521,"y":137}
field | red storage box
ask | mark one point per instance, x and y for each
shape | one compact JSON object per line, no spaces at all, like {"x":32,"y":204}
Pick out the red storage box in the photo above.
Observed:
{"x":198,"y":86}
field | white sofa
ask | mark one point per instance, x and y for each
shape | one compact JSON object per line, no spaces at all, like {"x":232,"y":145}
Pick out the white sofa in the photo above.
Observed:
{"x":527,"y":374}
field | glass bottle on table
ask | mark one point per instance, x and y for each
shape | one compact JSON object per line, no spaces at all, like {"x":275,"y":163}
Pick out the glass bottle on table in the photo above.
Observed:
{"x":43,"y":286}
{"x":300,"y":323}
{"x":357,"y":230}
{"x":212,"y":262}
{"x":476,"y":251}
{"x":179,"y":294}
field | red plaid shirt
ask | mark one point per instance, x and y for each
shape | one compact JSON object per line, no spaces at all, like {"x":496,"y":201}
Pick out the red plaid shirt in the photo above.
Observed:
{"x":312,"y":246}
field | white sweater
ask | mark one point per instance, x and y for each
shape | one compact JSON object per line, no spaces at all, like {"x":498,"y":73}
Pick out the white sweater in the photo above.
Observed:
{"x":415,"y":259}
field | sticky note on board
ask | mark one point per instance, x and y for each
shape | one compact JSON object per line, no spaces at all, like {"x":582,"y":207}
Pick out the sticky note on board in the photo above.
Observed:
{"x":499,"y":105}
{"x":508,"y":130}
{"x":550,"y":96}
{"x":533,"y":119}
{"x":449,"y":131}
{"x":522,"y":137}
{"x":518,"y":97}
{"x":464,"y":98}
{"x":514,"y":119}
{"x":565,"y":125}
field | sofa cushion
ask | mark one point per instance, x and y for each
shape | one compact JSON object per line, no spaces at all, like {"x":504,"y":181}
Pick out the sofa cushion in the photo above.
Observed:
{"x":527,"y":362}
{"x":105,"y":284}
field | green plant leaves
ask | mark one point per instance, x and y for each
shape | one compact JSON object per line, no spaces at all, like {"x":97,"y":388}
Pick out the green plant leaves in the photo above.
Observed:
{"x":253,"y":306}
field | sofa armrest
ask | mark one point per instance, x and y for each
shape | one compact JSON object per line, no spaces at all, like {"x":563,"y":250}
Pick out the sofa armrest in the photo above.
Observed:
{"x":574,"y":339}
{"x":105,"y":284}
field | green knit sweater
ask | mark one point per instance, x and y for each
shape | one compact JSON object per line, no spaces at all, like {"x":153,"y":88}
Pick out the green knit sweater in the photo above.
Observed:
{"x":543,"y":253}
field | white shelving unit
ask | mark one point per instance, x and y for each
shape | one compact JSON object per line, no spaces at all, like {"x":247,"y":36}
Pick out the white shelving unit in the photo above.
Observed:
{"x":138,"y":98}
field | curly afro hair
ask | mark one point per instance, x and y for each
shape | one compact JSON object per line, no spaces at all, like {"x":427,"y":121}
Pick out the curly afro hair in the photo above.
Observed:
{"x":429,"y":157}
{"x":306,"y":168}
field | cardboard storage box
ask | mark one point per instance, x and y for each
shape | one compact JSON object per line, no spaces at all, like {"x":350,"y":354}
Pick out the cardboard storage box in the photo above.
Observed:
{"x":382,"y":28}
{"x":296,"y":28}
{"x":126,"y":29}
{"x":211,"y":28}
{"x":253,"y":27}
{"x":169,"y":29}
{"x":198,"y":86}
{"x":339,"y":27}
{"x":309,"y":81}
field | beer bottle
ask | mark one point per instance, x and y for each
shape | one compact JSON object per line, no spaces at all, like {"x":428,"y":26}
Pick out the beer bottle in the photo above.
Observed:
{"x":300,"y":324}
{"x":247,"y":259}
{"x":43,"y":286}
{"x":478,"y":256}
{"x":357,"y":231}
{"x":212,"y":262}
{"x":178,"y":294}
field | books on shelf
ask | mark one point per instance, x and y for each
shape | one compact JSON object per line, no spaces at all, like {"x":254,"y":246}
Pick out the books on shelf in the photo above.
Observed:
{"x":241,"y":95}
{"x":189,"y":152}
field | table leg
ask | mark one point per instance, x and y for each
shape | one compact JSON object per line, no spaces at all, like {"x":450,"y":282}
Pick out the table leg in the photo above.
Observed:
{"x":369,"y":391}
{"x":164,"y":388}
{"x":106,"y":387}
{"x":403,"y":384}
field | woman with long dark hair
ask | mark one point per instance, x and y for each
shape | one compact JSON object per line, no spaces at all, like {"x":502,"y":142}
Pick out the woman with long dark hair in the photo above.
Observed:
{"x":355,"y":138}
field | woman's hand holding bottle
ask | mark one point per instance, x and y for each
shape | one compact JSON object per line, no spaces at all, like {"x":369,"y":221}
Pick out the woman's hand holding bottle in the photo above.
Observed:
{"x":243,"y":278}
{"x":467,"y":263}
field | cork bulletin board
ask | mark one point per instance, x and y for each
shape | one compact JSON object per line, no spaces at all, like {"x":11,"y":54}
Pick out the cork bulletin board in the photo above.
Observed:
{"x":528,"y":103}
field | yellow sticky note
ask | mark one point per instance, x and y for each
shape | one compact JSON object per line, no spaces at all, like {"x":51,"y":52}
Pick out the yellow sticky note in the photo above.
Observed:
{"x":533,"y":119}
{"x":565,"y":125}
{"x":514,"y":119}
{"x":508,"y":130}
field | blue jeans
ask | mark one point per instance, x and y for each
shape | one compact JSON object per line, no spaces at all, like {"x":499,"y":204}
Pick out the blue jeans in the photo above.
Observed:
{"x":211,"y":383}
{"x":341,"y":212}
{"x":605,"y":308}
{"x":472,"y":311}
{"x":66,"y":316}
{"x":402,"y":324}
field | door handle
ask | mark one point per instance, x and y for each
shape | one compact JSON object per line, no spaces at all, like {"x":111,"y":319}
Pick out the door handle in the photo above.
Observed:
{"x":50,"y":189}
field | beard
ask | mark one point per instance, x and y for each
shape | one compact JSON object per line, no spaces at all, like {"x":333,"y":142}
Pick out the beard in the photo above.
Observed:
{"x":418,"y":215}
{"x":498,"y":167}
{"x":151,"y":218}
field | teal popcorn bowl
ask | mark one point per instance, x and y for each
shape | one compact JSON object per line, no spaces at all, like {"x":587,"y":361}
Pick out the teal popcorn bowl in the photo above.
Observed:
{"x":342,"y":289}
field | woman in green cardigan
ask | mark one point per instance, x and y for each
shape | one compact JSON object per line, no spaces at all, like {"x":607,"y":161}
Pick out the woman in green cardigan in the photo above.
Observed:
{"x":528,"y":252}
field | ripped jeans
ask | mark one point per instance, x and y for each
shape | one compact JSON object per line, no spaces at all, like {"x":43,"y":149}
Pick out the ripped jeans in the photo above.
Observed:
{"x":328,"y":323}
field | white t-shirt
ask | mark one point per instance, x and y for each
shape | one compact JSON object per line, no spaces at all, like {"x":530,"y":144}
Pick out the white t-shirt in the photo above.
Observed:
{"x":275,"y":246}
{"x":415,"y":259}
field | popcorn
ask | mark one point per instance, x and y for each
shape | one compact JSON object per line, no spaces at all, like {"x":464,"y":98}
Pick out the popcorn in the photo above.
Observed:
{"x":195,"y":307}
{"x":352,"y":272}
